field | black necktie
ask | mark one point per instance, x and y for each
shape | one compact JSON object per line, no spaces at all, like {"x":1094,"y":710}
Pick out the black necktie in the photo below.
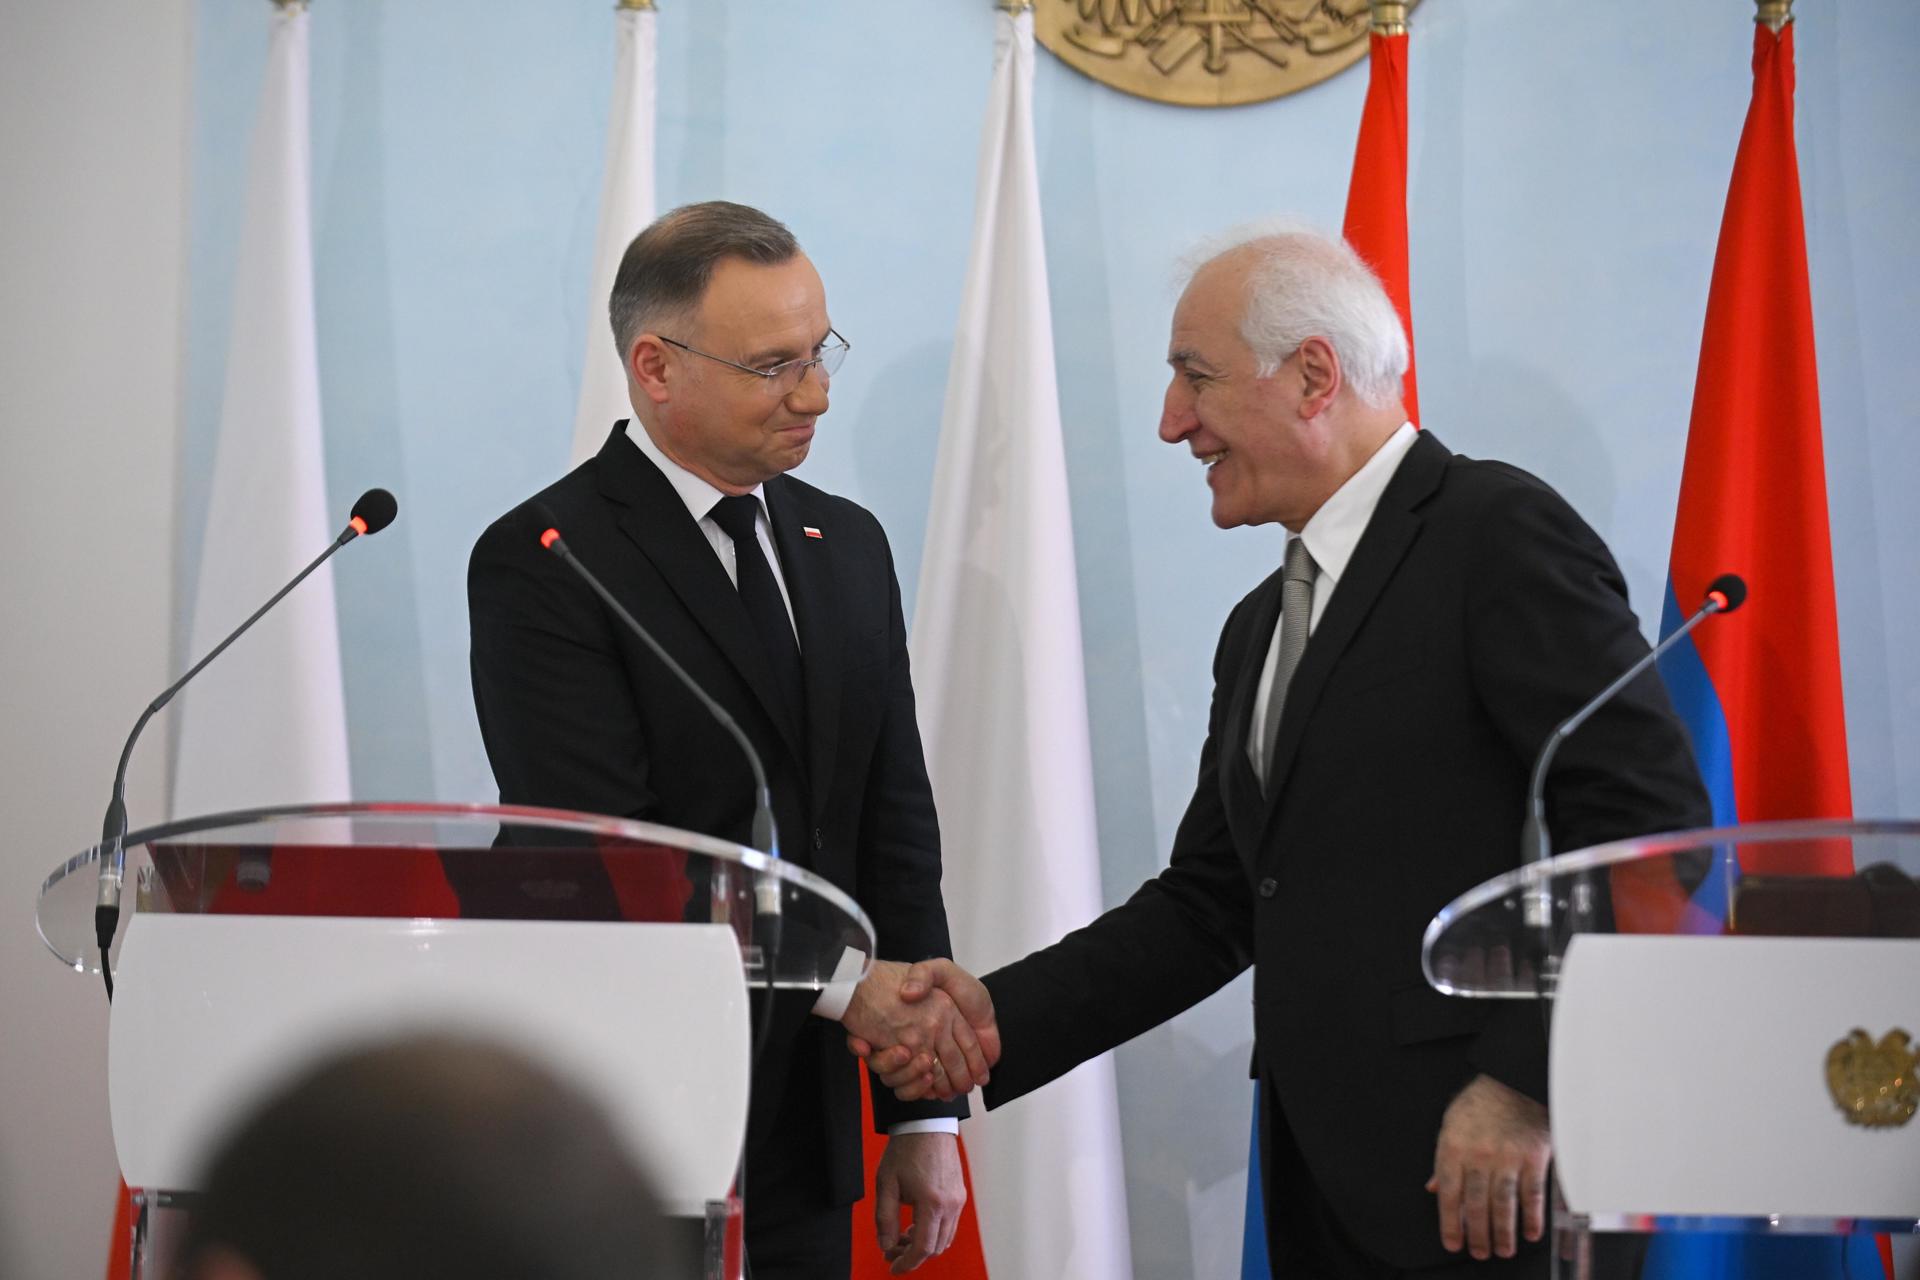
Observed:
{"x":765,"y":606}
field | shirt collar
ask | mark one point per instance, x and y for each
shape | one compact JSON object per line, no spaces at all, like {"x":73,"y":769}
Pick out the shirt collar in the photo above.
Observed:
{"x":695,"y":492}
{"x":1335,"y":529}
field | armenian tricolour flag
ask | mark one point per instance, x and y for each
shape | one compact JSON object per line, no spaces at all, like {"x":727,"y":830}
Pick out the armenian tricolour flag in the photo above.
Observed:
{"x":1761,"y":695}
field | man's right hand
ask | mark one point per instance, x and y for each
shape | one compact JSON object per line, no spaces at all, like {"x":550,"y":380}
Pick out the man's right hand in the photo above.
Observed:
{"x":935,"y":1046}
{"x":913,"y":1074}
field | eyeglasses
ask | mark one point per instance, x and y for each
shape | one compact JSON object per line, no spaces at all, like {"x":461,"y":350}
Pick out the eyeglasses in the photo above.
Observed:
{"x":781,"y":380}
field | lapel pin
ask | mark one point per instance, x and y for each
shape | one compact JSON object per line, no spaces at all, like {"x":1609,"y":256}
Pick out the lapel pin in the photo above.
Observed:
{"x":810,"y":531}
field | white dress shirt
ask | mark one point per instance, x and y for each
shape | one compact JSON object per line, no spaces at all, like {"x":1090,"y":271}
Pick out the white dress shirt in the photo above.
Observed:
{"x":700,"y":498}
{"x":1331,"y":535}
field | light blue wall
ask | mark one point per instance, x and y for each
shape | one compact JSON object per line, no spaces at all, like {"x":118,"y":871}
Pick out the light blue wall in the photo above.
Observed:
{"x":1568,"y":169}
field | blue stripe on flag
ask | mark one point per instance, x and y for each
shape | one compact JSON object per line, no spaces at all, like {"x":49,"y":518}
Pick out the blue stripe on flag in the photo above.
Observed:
{"x":1694,"y":697}
{"x":1708,"y":1256}
{"x":1253,"y":1245}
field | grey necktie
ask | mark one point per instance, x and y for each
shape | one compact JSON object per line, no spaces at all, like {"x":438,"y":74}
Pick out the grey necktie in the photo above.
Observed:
{"x":1296,"y":612}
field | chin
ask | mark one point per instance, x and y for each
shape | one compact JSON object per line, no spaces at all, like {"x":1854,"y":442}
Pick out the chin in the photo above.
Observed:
{"x":1226,"y":517}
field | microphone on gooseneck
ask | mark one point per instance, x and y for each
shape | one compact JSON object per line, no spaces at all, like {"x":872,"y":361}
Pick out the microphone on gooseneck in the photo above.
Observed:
{"x":1724,"y":594}
{"x":768,"y":922}
{"x":765,"y":836}
{"x":373,"y":512}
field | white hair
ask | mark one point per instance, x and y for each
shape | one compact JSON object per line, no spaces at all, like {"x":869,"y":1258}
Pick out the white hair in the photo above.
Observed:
{"x":1305,"y":284}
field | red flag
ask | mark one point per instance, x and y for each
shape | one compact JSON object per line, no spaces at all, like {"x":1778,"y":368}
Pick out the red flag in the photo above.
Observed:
{"x":1760,"y":693}
{"x":1753,"y":498}
{"x":120,"y":1243}
{"x":963,"y":1260}
{"x":1376,"y":224}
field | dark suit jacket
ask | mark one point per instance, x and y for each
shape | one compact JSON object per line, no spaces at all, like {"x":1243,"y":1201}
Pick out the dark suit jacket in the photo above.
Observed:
{"x":578,"y":714}
{"x":1477,"y":612}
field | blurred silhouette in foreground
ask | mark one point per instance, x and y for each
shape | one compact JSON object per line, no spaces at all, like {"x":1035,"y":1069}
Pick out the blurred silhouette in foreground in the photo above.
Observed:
{"x":424,"y":1157}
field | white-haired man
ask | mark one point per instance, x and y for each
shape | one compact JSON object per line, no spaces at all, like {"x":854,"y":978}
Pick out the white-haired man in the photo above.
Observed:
{"x":1355,"y":782}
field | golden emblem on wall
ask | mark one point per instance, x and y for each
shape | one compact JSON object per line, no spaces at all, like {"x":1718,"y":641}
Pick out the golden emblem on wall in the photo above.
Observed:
{"x":1206,"y":53}
{"x":1874,"y":1084}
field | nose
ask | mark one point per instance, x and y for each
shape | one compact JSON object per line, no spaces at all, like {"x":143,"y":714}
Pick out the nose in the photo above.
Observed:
{"x":1177,"y":420}
{"x":809,"y":398}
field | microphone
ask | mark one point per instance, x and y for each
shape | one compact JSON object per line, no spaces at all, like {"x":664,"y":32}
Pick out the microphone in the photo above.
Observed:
{"x":765,"y":837}
{"x":1724,"y":594}
{"x":373,"y":512}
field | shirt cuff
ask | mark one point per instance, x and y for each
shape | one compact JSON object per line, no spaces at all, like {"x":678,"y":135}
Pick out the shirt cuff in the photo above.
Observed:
{"x":838,"y":993}
{"x":939,"y":1124}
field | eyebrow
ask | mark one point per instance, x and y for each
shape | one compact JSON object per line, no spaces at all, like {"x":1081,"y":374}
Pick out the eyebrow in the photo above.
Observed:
{"x":783,"y":354}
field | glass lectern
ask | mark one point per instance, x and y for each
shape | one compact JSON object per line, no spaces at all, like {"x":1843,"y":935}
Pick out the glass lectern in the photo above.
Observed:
{"x":1734,"y":1014}
{"x":622,"y":952}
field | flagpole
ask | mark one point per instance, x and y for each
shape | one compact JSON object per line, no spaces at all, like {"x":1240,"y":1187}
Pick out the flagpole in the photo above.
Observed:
{"x":1390,"y":17}
{"x":1774,"y":13}
{"x":626,"y":206}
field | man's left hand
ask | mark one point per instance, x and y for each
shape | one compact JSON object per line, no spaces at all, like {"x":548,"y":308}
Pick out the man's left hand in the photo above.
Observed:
{"x":920,"y":1170}
{"x":1490,"y":1169}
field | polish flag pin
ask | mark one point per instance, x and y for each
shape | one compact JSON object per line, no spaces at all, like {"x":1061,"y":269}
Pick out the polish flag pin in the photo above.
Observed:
{"x":810,"y":531}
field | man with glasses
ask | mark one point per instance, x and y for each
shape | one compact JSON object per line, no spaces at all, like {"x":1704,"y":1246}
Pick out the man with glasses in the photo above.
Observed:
{"x":781,"y":602}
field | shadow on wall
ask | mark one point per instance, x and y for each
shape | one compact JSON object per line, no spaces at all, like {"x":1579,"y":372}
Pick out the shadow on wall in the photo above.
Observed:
{"x":1521,"y":415}
{"x":1183,"y":1144}
{"x":382,"y":664}
{"x":894,"y":441}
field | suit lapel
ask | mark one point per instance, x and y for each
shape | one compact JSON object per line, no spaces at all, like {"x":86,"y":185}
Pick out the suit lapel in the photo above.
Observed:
{"x":1389,"y":533}
{"x":808,"y":570}
{"x":659,"y":525}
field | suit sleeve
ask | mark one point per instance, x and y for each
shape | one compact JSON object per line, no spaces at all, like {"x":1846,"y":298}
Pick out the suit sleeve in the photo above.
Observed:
{"x":556,"y":709}
{"x":1182,"y":936}
{"x":1548,"y":626}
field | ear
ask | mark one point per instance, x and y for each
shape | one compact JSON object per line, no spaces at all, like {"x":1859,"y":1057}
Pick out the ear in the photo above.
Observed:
{"x":649,"y":367}
{"x":1322,"y":376}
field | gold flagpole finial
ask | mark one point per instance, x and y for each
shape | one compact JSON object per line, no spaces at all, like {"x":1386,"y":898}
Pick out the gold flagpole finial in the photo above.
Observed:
{"x":636,"y":6}
{"x":1775,"y":13}
{"x":1389,"y":17}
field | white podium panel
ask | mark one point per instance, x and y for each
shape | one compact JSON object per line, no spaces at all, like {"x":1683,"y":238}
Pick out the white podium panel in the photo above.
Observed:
{"x":212,"y":1011}
{"x":1689,"y":1076}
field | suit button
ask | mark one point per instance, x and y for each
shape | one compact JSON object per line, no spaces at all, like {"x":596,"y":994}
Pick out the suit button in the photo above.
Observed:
{"x":817,"y":841}
{"x":1269,"y":887}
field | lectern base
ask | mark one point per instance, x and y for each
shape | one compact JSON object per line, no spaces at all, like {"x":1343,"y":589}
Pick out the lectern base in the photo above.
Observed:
{"x":163,"y":1220}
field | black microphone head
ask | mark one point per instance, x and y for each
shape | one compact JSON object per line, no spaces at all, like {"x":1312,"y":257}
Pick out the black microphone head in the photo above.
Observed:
{"x":1732,"y":590}
{"x":375,"y":511}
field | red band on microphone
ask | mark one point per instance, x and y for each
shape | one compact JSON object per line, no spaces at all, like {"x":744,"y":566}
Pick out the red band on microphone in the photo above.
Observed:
{"x":550,"y":537}
{"x":1718,"y":598}
{"x":359,"y":525}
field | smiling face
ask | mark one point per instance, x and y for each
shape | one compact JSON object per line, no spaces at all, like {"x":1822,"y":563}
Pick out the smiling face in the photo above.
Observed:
{"x":718,"y":422}
{"x":1263,"y":440}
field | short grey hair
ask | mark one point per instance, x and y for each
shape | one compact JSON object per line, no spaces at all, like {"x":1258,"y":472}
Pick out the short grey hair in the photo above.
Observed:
{"x":665,"y":271}
{"x":1305,"y":284}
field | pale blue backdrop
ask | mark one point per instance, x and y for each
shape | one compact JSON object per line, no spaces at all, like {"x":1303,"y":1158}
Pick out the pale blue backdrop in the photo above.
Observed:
{"x":1568,"y":170}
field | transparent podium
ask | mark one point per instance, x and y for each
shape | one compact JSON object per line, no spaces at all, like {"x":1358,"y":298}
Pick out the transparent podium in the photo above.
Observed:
{"x":619,"y":953}
{"x":1733,"y":1020}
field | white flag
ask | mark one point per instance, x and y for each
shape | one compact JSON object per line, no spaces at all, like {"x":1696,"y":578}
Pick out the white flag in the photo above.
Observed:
{"x":626,"y":207}
{"x":1001,"y":679}
{"x":267,"y":724}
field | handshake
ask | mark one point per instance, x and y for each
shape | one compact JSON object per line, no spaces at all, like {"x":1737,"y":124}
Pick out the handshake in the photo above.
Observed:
{"x":927,"y":1030}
